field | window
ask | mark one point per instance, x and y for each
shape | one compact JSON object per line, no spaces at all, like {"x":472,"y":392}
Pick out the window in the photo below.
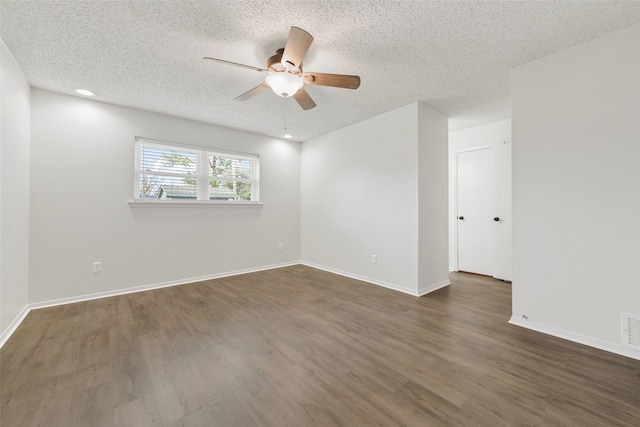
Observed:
{"x":179,"y":173}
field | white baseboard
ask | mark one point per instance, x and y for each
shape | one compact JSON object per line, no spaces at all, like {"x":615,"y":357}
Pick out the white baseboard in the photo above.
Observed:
{"x":577,"y":338}
{"x":420,"y":292}
{"x":69,"y":300}
{"x":430,"y":288}
{"x":135,"y":289}
{"x":6,"y":334}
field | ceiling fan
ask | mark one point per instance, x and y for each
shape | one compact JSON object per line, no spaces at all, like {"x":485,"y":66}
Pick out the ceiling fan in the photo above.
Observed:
{"x":285,"y":76}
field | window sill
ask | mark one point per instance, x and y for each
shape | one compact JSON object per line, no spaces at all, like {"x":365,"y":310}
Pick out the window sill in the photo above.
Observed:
{"x":154,"y":203}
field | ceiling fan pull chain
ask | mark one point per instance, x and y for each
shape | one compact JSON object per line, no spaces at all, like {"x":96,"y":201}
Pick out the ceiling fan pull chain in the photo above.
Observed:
{"x":286,"y":133}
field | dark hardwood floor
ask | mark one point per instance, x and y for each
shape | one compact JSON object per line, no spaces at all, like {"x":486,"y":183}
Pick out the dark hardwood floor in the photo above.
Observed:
{"x":301,"y":347}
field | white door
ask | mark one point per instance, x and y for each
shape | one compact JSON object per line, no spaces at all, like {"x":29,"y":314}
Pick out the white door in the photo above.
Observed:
{"x":475,"y":215}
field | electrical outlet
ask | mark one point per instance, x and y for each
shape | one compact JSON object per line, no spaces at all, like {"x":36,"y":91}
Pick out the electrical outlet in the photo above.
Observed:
{"x":374,"y":259}
{"x":280,"y":247}
{"x":97,"y":267}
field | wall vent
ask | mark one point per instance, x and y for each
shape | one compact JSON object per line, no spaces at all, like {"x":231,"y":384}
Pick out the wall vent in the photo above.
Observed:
{"x":631,"y":330}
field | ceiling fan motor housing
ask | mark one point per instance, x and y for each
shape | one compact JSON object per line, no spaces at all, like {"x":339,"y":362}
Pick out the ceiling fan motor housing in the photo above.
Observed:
{"x":275,"y":65}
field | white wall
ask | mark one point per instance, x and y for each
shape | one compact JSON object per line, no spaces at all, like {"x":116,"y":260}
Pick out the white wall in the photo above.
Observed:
{"x":433,"y":199}
{"x":360,"y":198}
{"x":14,"y":192}
{"x":497,"y":136}
{"x":82,"y":179}
{"x":576,"y":157}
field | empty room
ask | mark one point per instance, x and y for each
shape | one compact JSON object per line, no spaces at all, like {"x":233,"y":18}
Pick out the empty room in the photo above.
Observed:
{"x":306,"y":213}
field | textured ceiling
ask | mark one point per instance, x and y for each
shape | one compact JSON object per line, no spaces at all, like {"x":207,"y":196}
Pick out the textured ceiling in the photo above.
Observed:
{"x":455,"y":56}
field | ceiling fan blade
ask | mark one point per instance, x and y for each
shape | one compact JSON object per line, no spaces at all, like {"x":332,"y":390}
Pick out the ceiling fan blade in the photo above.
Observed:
{"x":253,"y":92}
{"x":297,"y":45}
{"x":303,"y":98}
{"x":235,"y":64}
{"x":334,"y":80}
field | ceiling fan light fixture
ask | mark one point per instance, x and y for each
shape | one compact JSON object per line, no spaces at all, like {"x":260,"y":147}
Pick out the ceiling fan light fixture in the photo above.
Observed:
{"x":284,"y":84}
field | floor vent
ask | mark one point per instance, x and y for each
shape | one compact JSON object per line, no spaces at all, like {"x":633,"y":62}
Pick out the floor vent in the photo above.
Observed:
{"x":631,"y":330}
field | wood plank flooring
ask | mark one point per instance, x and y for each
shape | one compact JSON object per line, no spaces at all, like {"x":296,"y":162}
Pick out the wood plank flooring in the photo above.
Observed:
{"x":298,"y":347}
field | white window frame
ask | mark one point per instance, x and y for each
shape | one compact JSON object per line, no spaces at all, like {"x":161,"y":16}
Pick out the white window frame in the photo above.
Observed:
{"x":202,"y":176}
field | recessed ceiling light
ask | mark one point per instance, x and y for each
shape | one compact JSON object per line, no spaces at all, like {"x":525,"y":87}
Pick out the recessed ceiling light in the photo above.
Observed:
{"x":288,"y":136}
{"x":85,"y":92}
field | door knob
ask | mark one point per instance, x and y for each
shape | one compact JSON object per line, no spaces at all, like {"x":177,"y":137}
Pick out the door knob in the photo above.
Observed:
{"x":460,"y":217}
{"x":496,"y":219}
